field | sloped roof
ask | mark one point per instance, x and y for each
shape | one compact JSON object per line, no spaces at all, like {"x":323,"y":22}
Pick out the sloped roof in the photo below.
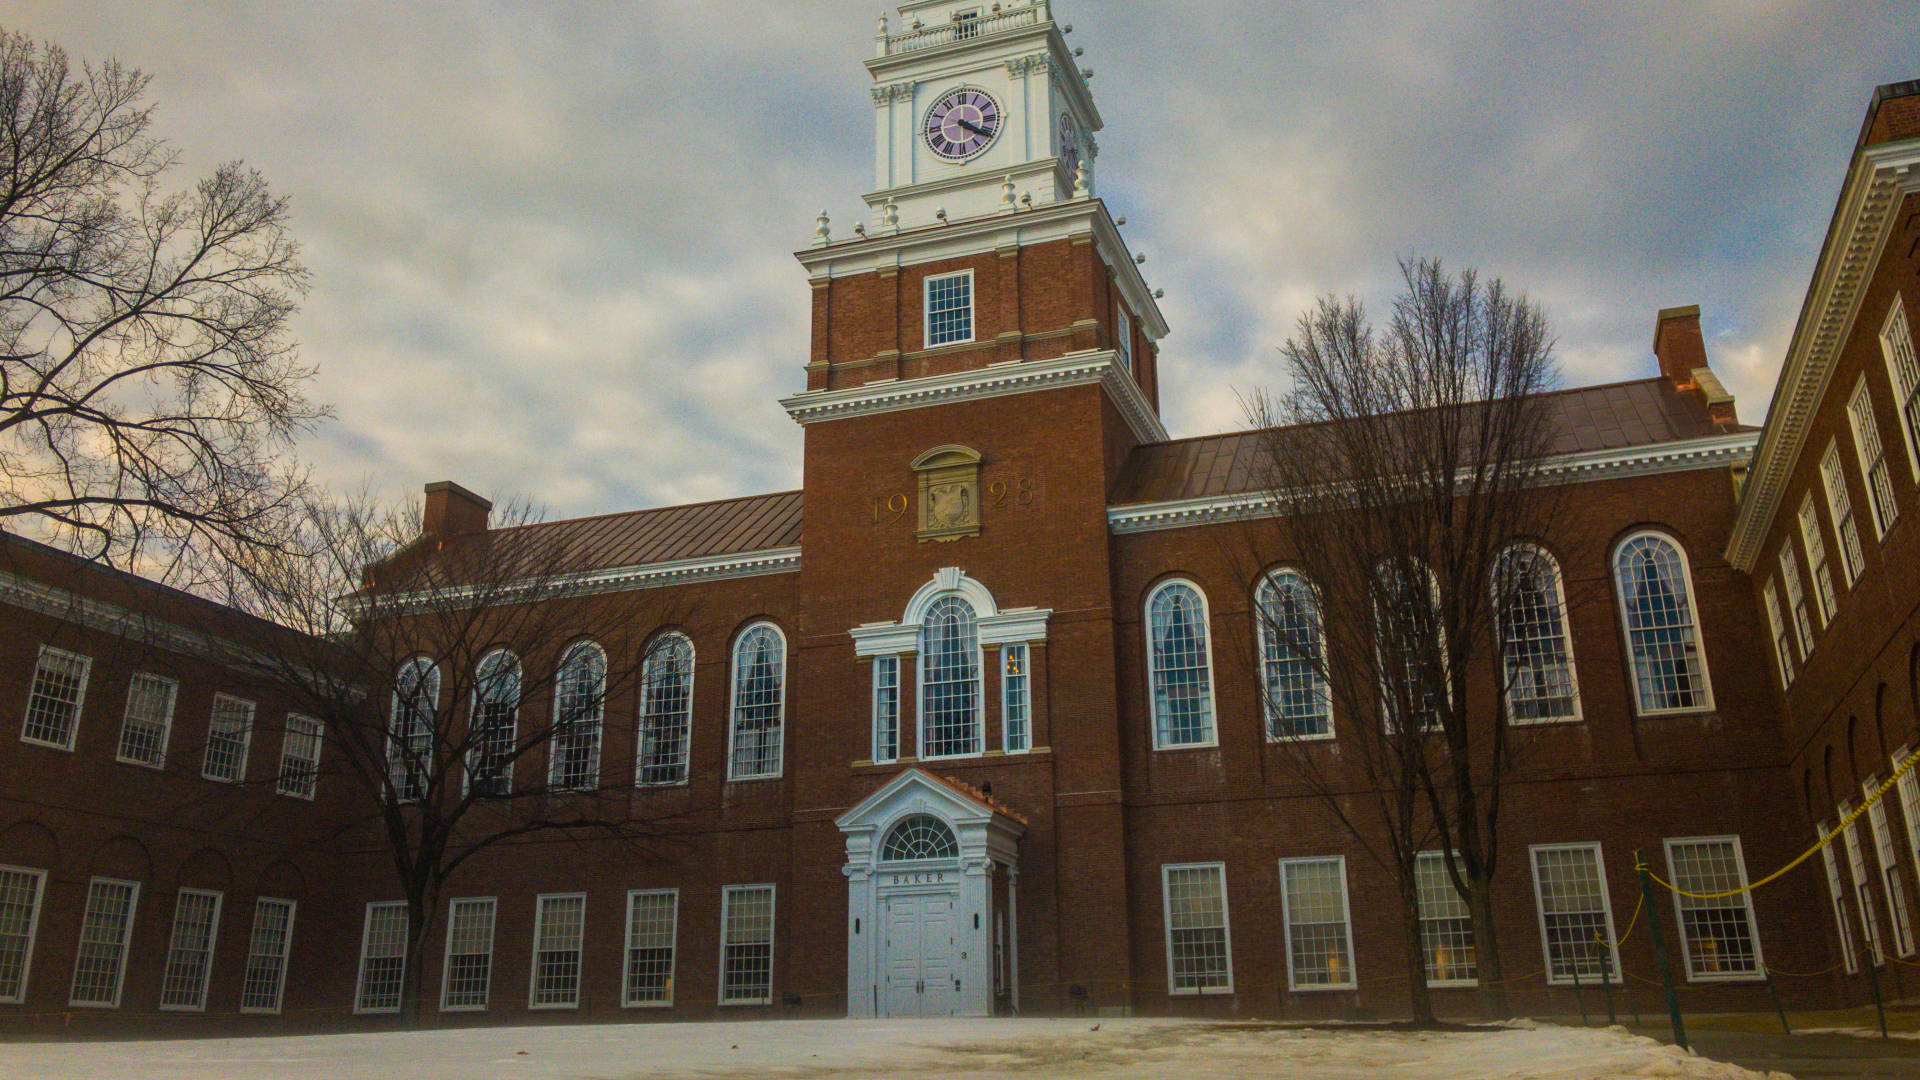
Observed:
{"x":669,"y":533}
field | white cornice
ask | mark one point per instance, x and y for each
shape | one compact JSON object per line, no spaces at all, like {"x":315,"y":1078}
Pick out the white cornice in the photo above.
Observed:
{"x":616,"y":579}
{"x":1880,"y":178}
{"x":71,"y":607}
{"x":1017,"y":377}
{"x":1716,"y":451}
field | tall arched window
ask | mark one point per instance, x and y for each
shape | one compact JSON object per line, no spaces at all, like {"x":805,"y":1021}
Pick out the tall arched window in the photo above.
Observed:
{"x":1663,"y":636}
{"x":579,"y":706}
{"x":666,"y":710}
{"x":1293,"y":657}
{"x":1411,"y":642}
{"x":1180,"y":666}
{"x":919,"y":836}
{"x":1536,"y":649}
{"x":416,"y":700}
{"x":950,"y":716}
{"x":759,"y":703}
{"x":495,"y":723}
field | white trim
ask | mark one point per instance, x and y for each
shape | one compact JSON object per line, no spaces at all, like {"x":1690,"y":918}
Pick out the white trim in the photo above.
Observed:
{"x":1261,"y":631}
{"x":553,"y":718}
{"x":1753,"y":924}
{"x":979,"y":690}
{"x":166,"y":724}
{"x":286,"y":740}
{"x":446,"y":953}
{"x":1606,"y":906}
{"x":639,"y":576}
{"x":360,"y":976}
{"x":1123,"y":338}
{"x":475,"y":748}
{"x":213,"y":942}
{"x":733,"y":698}
{"x":126,"y":944}
{"x":1447,"y":858}
{"x":773,"y":912}
{"x":1206,"y":626}
{"x":71,"y":607}
{"x":656,"y":649}
{"x":926,"y":310}
{"x":246,"y":741}
{"x":580,"y":953}
{"x":79,"y":699}
{"x":33,"y":928}
{"x":1166,"y":926}
{"x":1693,"y":609}
{"x":1566,"y":631}
{"x":286,"y":957}
{"x":626,"y":950}
{"x":1897,"y":313}
{"x":1346,"y":911}
{"x":894,"y":720}
{"x":1026,"y":696}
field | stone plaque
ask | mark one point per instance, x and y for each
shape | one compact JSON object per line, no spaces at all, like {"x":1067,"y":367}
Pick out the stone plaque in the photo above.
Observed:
{"x":949,"y":493}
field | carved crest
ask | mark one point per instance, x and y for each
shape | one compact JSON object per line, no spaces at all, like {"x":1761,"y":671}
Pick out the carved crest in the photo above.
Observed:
{"x":949,"y":493}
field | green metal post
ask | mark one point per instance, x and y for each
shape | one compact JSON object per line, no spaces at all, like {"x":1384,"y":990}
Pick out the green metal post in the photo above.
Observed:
{"x":1873,"y":983}
{"x":1773,"y":992}
{"x":1606,"y":976}
{"x":1660,"y":952}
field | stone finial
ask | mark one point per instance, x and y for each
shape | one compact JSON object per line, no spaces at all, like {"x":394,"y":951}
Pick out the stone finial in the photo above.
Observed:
{"x":890,"y":216}
{"x":941,"y":215}
{"x":1082,"y":182}
{"x":822,"y":230}
{"x":1006,"y":195}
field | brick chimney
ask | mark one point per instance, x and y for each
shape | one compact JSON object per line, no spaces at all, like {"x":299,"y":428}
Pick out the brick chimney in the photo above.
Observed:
{"x":453,"y":511}
{"x":1682,"y":352}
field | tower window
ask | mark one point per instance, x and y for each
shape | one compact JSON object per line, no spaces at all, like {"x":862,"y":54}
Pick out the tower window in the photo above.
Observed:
{"x":950,"y":309}
{"x":1123,"y":339}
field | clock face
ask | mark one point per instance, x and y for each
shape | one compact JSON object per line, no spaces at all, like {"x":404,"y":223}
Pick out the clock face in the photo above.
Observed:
{"x":963,"y":123}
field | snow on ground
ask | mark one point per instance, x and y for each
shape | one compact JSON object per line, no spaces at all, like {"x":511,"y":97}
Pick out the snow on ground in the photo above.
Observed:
{"x":850,"y":1049}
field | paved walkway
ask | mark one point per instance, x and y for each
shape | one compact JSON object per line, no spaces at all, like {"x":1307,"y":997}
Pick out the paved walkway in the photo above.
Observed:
{"x":1806,"y":1057}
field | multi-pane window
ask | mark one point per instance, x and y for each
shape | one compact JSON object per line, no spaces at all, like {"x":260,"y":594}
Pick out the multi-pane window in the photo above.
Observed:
{"x":1782,"y":649}
{"x":1796,"y":598}
{"x":106,"y":925}
{"x":1717,"y":934}
{"x":20,"y":892}
{"x":149,"y":719}
{"x":1446,"y":924}
{"x":1016,"y":699}
{"x":950,"y":691}
{"x":1815,"y":542}
{"x":410,"y":731}
{"x":1293,"y":658}
{"x":1873,"y":458}
{"x":383,"y":958}
{"x":759,"y":704}
{"x":579,"y":706}
{"x":1199,"y":953}
{"x":666,"y":711}
{"x":1570,"y":888}
{"x":494,"y":739}
{"x":1179,"y":666}
{"x":300,"y":757}
{"x":265,"y":980}
{"x":1840,"y":505}
{"x":1862,"y":887}
{"x":950,"y":309}
{"x":1894,"y":885}
{"x":53,"y":702}
{"x":1837,"y":893}
{"x":651,"y":918}
{"x":559,"y":926}
{"x":1909,"y":789}
{"x":918,"y":837}
{"x":466,"y":982}
{"x":196,"y":924}
{"x":886,"y":708}
{"x":229,"y":731}
{"x":1903,"y":373}
{"x":746,"y":945}
{"x":1410,"y":644}
{"x":1656,"y":609}
{"x":1535,"y":649}
{"x":1313,"y":904}
{"x":1123,"y":338}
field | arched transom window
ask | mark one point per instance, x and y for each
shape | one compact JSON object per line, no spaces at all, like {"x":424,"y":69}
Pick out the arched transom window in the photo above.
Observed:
{"x":579,"y":706}
{"x":666,"y":710}
{"x":1663,"y":636}
{"x":1293,"y":657}
{"x":416,"y":700}
{"x":1180,"y":666}
{"x":759,"y":703}
{"x":495,"y":723}
{"x":1536,"y":651}
{"x":950,"y":717}
{"x":919,"y":836}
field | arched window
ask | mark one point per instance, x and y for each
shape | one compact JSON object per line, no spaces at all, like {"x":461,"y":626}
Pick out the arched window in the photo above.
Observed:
{"x":666,"y":710}
{"x":579,"y":705}
{"x":1411,"y":643}
{"x":1536,"y":649}
{"x":416,"y":699}
{"x":495,"y":723}
{"x":919,"y":836}
{"x":1663,"y":637}
{"x":950,"y":717}
{"x":1293,"y":657}
{"x":1180,"y":666}
{"x":759,"y":703}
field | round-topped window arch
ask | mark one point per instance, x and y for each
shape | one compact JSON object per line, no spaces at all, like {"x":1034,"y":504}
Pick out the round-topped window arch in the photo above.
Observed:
{"x":918,"y":837}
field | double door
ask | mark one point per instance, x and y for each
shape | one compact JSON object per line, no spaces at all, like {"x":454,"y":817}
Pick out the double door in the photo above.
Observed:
{"x":920,"y":968}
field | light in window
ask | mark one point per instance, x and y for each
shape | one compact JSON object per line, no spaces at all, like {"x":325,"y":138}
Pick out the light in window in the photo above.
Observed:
{"x":1313,"y":905}
{"x":1016,"y":698}
{"x":1446,"y":924}
{"x":1717,"y":935}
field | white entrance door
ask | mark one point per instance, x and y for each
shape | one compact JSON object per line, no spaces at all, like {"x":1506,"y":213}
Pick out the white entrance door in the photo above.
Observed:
{"x":920,"y":967}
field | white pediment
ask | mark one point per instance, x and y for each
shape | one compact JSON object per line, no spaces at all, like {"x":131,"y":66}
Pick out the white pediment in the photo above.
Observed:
{"x":915,"y":791}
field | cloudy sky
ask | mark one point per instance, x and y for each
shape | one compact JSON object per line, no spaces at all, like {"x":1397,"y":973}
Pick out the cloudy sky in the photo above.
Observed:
{"x":551,"y":242}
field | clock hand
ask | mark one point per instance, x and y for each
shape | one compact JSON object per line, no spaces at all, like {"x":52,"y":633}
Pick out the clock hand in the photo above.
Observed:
{"x":977,"y":131}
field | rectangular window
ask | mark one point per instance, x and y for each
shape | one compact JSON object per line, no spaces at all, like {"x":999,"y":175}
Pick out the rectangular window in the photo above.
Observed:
{"x":1016,"y":699}
{"x":196,"y":924}
{"x":148,"y":720}
{"x":300,"y":757}
{"x":20,"y":892}
{"x":1903,"y":374}
{"x":652,"y":917}
{"x":1873,"y":459}
{"x":1123,"y":338}
{"x":746,"y":945}
{"x":1816,"y":545}
{"x":53,"y":703}
{"x":383,"y":958}
{"x":886,"y":708}
{"x":105,"y":928}
{"x":1840,"y":507}
{"x":1313,"y":905}
{"x":1895,"y":888}
{"x":228,"y":732}
{"x":1909,"y":789}
{"x":1796,"y":599}
{"x":1446,"y":924}
{"x":1570,"y":892}
{"x":1199,"y":954}
{"x":1717,"y":936}
{"x":1782,"y":649}
{"x":559,"y":927}
{"x":1862,"y":888}
{"x":466,"y":978}
{"x":1837,"y":893}
{"x":265,"y":981}
{"x":950,"y":309}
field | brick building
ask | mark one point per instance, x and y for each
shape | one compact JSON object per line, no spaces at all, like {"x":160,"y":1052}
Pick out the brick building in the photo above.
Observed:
{"x":974,"y":720}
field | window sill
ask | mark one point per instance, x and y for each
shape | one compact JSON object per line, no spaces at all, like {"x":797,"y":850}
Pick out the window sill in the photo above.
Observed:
{"x":1319,"y":987}
{"x":986,"y":757}
{"x":153,"y":766}
{"x":48,"y":745}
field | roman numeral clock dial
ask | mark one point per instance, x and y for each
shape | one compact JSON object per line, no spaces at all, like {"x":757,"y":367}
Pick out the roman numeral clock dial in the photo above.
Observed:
{"x":963,"y":123}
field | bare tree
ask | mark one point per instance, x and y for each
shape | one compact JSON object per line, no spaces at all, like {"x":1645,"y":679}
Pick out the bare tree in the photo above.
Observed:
{"x":148,"y":391}
{"x":1405,"y":465}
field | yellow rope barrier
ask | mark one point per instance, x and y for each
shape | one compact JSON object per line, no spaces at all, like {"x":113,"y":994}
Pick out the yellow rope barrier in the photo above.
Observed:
{"x":1628,"y":932}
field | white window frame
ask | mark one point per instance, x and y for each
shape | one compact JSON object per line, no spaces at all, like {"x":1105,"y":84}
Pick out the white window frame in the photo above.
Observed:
{"x":1903,"y":375}
{"x":171,"y":688}
{"x":1431,"y":723}
{"x":926,"y":309}
{"x":1614,"y":974}
{"x":125,"y":945}
{"x":727,"y":894}
{"x":1846,"y":530}
{"x":483,"y":681}
{"x":734,"y":706}
{"x":1777,"y":632}
{"x":1123,"y":338}
{"x":1219,"y":870}
{"x":1909,"y":792}
{"x":1707,"y":704}
{"x":661,"y":652}
{"x":360,"y":978}
{"x":454,"y":904}
{"x":306,"y":783}
{"x":627,"y":1000}
{"x":540,"y":916}
{"x":205,"y":976}
{"x":592,"y":650}
{"x":1814,"y":540}
{"x":1892,"y":886}
{"x":79,"y":701}
{"x":1566,"y":633}
{"x":414,"y":673}
{"x":1796,"y":594}
{"x":1425,"y":918}
{"x":1870,"y":451}
{"x":1263,"y":643}
{"x":1346,"y":912}
{"x":1016,"y":698}
{"x":1759,"y":972}
{"x":283,"y":958}
{"x":241,"y":752}
{"x":921,"y":711}
{"x":33,"y":928}
{"x":886,"y":709}
{"x":1154,"y":672}
{"x":1837,"y":893}
{"x":1862,"y":887}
